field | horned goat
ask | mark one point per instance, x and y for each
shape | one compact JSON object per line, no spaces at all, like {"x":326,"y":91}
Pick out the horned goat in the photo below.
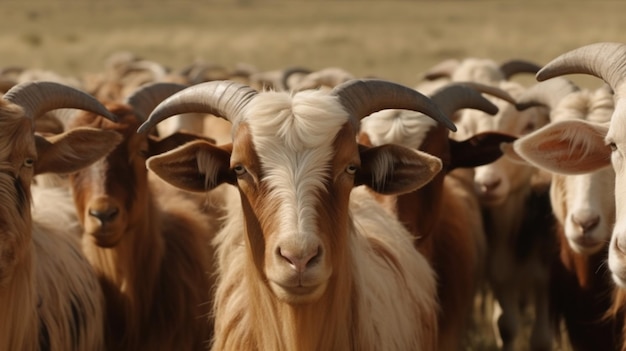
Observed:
{"x":444,"y":215}
{"x":49,"y":294}
{"x":306,"y":260}
{"x":149,"y":246}
{"x":581,"y":288}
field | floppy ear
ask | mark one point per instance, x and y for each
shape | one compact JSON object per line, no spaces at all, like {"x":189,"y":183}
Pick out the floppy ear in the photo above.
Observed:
{"x":566,"y":147}
{"x":197,"y":166}
{"x":393,"y":169}
{"x":481,"y":149}
{"x":158,"y":146}
{"x":73,"y":150}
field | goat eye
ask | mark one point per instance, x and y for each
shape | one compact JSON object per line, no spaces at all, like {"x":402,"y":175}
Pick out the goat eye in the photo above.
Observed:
{"x":29,"y":162}
{"x":239,"y":170}
{"x":351,"y":169}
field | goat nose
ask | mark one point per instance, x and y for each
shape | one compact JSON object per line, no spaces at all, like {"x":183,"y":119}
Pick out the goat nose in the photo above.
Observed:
{"x":300,"y":261}
{"x":490,"y":185}
{"x":587,"y":222}
{"x":104,"y":215}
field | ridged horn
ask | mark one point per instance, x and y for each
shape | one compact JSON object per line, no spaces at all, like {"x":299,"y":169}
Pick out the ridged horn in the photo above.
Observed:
{"x":604,"y":60}
{"x":147,"y":97}
{"x":516,"y":66}
{"x":547,"y":93}
{"x":37,"y":98}
{"x":455,"y":96}
{"x":222,"y":98}
{"x":362,"y":97}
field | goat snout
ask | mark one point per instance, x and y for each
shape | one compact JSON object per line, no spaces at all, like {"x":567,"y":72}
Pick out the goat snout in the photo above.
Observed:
{"x":586,"y":221}
{"x":300,"y":260}
{"x":490,"y":185}
{"x":104,"y":214}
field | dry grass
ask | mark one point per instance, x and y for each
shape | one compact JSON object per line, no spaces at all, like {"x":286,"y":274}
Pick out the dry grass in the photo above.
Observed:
{"x":395,"y":40}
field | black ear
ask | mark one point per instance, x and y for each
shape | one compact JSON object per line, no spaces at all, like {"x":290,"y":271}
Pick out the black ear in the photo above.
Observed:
{"x":481,"y":149}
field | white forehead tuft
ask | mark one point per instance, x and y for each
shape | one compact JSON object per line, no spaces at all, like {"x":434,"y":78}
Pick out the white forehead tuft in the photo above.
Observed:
{"x":293,"y":137}
{"x":309,"y":119}
{"x":402,"y":127}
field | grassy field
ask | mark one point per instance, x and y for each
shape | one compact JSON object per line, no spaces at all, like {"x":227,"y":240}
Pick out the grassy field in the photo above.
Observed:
{"x":395,"y":40}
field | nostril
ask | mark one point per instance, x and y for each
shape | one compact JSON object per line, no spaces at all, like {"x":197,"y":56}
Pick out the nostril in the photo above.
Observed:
{"x":302,"y":260}
{"x":104,"y":215}
{"x":490,"y":185}
{"x":586,"y":223}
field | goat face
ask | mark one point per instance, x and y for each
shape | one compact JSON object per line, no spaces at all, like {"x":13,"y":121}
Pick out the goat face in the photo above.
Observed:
{"x":582,"y":206}
{"x":295,"y":160}
{"x":107,"y":193}
{"x":495,"y":181}
{"x":17,"y":157}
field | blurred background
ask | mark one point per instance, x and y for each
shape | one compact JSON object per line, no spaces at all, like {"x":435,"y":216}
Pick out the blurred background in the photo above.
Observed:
{"x":395,"y":40}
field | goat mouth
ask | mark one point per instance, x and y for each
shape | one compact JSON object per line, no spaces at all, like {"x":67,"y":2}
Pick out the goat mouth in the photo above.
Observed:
{"x":297,"y":294}
{"x":105,"y":238}
{"x":586,"y":246}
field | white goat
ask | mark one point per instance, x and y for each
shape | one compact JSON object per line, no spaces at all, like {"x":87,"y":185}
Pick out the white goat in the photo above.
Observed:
{"x":581,"y":289}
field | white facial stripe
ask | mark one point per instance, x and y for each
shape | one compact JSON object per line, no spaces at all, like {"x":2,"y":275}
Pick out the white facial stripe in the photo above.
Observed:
{"x":295,"y":147}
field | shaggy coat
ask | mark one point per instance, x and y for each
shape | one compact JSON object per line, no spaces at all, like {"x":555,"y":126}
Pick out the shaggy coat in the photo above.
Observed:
{"x":49,"y":294}
{"x":149,"y":245}
{"x":306,"y":262}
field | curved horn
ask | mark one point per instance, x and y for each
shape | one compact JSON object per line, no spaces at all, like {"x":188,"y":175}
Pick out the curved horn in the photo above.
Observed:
{"x":330,"y":76}
{"x":491,"y":90}
{"x":224,"y":99}
{"x":443,"y":69}
{"x":362,"y":97}
{"x":291,"y":71}
{"x":513,"y":67}
{"x":37,"y":98}
{"x":456,"y":96}
{"x":605,"y":60}
{"x":147,"y":97}
{"x":547,"y":93}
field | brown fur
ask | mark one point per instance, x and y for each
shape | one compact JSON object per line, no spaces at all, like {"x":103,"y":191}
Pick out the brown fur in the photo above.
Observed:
{"x":42,"y":306}
{"x":156,"y":272}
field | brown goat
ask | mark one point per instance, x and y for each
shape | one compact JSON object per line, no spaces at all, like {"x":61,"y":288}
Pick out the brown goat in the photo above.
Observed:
{"x":149,"y":246}
{"x":49,"y":295}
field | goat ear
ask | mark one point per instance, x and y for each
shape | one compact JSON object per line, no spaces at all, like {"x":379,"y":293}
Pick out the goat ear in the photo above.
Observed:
{"x":198,"y":166}
{"x":481,"y":149}
{"x":158,"y":146}
{"x":73,"y":150}
{"x":509,"y":152}
{"x":566,"y":147}
{"x":394,"y":169}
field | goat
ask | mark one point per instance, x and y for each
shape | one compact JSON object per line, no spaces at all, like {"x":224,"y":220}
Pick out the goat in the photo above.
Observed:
{"x":306,"y":260}
{"x":454,"y":243}
{"x":149,"y":246}
{"x":581,"y":289}
{"x":43,"y":305}
{"x":520,"y":243}
{"x":597,"y":145}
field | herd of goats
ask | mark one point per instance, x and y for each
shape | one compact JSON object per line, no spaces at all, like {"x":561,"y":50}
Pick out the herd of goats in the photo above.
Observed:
{"x":146,"y":208}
